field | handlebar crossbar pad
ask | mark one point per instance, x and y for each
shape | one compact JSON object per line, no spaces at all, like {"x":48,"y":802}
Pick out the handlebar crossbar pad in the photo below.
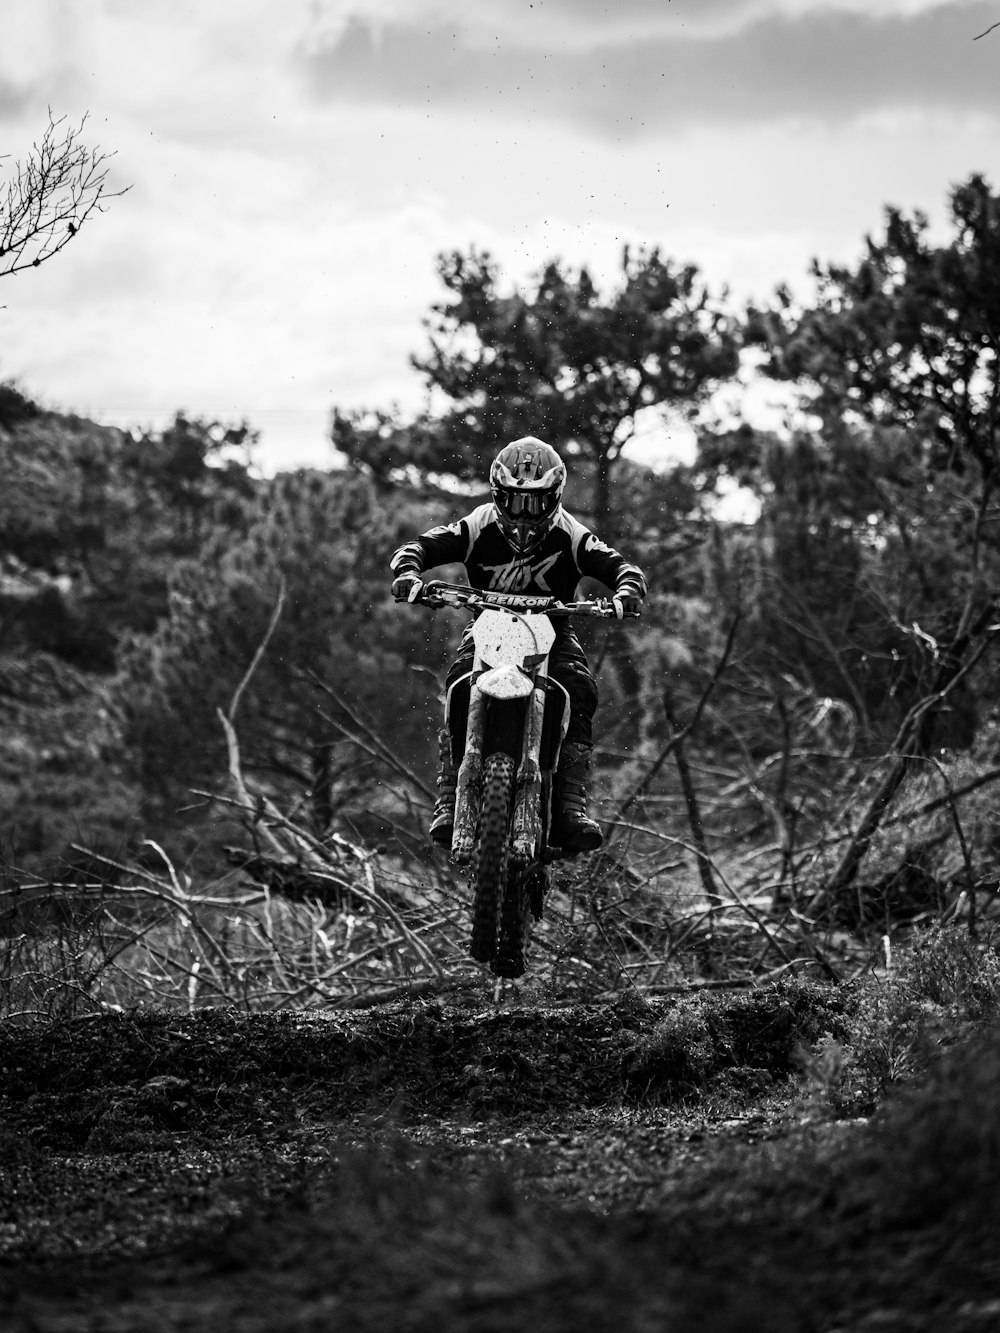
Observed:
{"x":464,"y":594}
{"x":507,"y":601}
{"x":512,"y":601}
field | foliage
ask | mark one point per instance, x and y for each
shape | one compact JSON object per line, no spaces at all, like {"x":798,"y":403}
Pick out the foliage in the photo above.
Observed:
{"x":938,"y":1147}
{"x":863,"y":584}
{"x":559,"y":361}
{"x":61,"y":780}
{"x":892,"y":505}
{"x":92,"y":522}
{"x":378,"y":444}
{"x":800,"y":684}
{"x":96,"y":518}
{"x":941,"y":988}
{"x":318,"y":542}
{"x":801,"y":864}
{"x":874,"y":562}
{"x":909,"y":337}
{"x":15,"y":406}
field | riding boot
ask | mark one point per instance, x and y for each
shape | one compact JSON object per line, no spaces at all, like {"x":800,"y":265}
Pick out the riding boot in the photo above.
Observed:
{"x":572,"y":829}
{"x":443,"y":820}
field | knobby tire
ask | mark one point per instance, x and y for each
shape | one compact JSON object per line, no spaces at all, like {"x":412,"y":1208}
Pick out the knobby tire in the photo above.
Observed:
{"x":514,"y":911}
{"x":492,"y":855}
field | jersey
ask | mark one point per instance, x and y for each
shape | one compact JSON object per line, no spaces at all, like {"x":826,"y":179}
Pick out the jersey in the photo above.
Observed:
{"x":568,"y":552}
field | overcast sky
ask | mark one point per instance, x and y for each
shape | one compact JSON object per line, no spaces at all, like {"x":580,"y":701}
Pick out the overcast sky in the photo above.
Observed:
{"x":296,"y":165}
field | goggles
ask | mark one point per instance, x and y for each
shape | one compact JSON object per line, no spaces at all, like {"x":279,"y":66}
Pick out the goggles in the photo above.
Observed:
{"x":526,"y":504}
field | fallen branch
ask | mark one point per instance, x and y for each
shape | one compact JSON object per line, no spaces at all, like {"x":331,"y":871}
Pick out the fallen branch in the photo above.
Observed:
{"x":389,"y":993}
{"x":904,"y":759}
{"x":259,"y":806}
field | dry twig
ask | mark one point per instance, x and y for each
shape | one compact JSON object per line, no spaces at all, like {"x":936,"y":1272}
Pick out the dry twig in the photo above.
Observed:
{"x":51,"y":195}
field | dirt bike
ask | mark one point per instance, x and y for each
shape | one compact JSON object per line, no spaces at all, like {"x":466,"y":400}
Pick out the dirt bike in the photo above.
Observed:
{"x":506,"y":723}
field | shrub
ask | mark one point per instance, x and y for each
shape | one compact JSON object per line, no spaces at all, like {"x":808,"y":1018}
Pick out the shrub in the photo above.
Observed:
{"x":939,"y":991}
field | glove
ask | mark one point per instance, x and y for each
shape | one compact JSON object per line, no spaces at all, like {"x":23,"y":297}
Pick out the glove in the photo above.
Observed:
{"x":406,"y":588}
{"x":626,"y":602}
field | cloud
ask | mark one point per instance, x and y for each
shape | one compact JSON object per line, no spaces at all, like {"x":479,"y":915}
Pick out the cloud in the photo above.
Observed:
{"x":687,"y":18}
{"x":580,"y":24}
{"x":814,"y":64}
{"x":275,"y":255}
{"x":12,"y":100}
{"x":275,"y":306}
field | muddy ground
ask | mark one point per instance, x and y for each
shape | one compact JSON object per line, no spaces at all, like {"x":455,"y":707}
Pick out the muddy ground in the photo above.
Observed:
{"x":454,"y":1163}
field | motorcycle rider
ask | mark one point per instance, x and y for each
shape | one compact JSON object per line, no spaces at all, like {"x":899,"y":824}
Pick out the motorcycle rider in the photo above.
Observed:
{"x":525,"y":542}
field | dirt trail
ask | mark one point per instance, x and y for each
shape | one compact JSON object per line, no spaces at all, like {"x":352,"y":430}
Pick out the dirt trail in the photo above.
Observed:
{"x":449,"y":1164}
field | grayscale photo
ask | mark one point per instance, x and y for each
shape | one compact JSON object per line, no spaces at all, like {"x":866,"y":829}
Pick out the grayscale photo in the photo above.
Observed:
{"x":500,"y":666}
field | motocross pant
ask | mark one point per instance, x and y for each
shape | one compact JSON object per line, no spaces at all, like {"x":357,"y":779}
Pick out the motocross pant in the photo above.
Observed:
{"x":567,"y":666}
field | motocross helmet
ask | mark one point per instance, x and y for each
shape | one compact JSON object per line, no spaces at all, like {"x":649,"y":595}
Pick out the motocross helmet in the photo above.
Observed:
{"x":527,"y":480}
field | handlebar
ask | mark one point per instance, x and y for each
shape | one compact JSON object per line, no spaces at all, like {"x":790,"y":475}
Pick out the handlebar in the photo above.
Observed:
{"x":436,"y":593}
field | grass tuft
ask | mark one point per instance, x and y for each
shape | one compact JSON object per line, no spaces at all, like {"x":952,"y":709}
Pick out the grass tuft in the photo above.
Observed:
{"x":941,"y":988}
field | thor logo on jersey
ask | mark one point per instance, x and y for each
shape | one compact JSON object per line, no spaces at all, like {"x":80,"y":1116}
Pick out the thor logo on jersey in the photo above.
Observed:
{"x":515,"y":575}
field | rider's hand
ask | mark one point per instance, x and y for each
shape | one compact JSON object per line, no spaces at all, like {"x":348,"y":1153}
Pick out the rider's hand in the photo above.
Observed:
{"x":626,"y":603}
{"x":407,"y":587}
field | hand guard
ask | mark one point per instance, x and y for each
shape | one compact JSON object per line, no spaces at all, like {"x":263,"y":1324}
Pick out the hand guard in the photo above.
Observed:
{"x":406,"y":588}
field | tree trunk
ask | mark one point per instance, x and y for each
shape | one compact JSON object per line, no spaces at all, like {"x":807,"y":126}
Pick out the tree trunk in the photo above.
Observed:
{"x":692,"y":806}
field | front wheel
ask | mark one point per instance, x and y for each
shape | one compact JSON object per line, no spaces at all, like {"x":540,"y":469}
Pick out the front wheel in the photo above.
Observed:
{"x":522,"y":899}
{"x":492,"y":855}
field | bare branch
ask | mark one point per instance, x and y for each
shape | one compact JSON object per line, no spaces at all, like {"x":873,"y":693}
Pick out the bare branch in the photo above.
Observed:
{"x":272,"y":625}
{"x":987,"y":32}
{"x":52,"y":193}
{"x":695,"y":821}
{"x":904,"y":758}
{"x":643,"y":785}
{"x":365,"y":737}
